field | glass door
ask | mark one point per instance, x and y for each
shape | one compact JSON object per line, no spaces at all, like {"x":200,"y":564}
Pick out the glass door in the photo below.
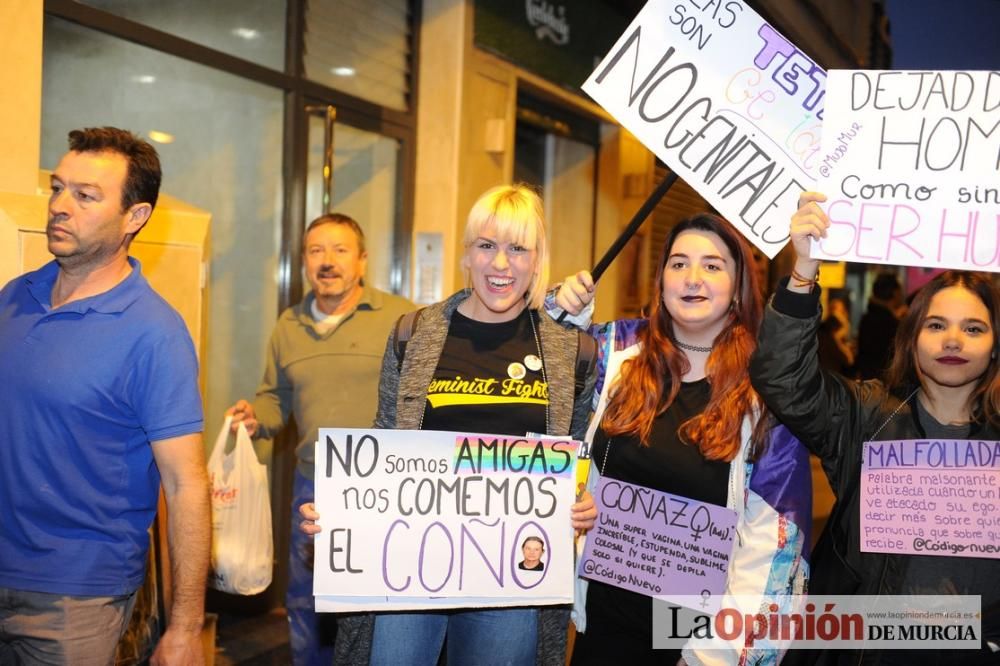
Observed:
{"x":357,"y":173}
{"x":556,"y":151}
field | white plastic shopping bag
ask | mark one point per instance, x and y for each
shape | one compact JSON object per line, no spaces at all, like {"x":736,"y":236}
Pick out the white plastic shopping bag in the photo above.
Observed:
{"x":242,"y":545}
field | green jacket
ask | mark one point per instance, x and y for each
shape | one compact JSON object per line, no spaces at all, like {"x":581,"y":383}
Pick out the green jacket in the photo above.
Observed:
{"x":326,"y":381}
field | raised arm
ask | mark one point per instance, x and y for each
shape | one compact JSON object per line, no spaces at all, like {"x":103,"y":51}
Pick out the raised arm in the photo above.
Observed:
{"x":820,"y":409}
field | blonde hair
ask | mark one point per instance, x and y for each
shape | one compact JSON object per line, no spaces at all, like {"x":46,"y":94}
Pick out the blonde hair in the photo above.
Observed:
{"x":517,"y":216}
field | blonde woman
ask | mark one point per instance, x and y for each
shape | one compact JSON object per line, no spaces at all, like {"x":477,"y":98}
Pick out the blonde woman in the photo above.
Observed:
{"x":481,"y":333}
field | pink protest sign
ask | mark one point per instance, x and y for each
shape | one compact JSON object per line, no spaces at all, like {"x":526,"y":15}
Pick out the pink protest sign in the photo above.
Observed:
{"x":931,"y":497}
{"x":659,"y":544}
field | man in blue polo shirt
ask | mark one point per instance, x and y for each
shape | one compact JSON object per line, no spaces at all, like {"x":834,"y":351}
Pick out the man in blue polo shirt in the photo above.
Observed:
{"x":98,"y":404}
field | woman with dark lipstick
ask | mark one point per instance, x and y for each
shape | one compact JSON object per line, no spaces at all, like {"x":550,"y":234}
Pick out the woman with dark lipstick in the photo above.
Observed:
{"x":943,"y":384}
{"x":675,"y":412}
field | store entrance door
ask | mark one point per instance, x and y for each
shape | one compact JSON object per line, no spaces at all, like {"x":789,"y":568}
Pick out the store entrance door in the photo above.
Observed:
{"x":356,"y":172}
{"x":557,"y":152}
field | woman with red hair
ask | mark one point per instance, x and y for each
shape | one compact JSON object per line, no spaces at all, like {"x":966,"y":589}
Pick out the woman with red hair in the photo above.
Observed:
{"x":675,"y":411}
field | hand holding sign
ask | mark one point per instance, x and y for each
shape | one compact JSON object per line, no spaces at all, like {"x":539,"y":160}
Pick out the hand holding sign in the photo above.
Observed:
{"x":310,"y":523}
{"x":809,"y":225}
{"x":583,"y":514}
{"x":575,"y":292}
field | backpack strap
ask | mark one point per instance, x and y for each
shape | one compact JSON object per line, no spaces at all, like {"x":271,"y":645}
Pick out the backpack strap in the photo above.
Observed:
{"x":586,"y":357}
{"x":405,"y":326}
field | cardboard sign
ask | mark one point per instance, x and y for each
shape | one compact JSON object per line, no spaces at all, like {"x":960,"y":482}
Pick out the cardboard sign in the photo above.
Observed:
{"x":424,"y":519}
{"x":726,"y":102}
{"x":910,"y":163}
{"x":931,"y":498}
{"x":658,"y":544}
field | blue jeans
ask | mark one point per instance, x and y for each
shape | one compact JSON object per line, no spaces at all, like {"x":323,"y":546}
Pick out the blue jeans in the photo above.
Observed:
{"x":41,"y":628}
{"x":497,"y":636}
{"x":310,"y":634}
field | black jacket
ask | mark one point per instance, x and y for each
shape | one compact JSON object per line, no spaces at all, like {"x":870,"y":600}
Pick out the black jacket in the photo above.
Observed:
{"x":876,"y":336}
{"x":833,"y":417}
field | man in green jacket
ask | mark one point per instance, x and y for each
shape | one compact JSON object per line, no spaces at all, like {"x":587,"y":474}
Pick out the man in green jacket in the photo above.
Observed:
{"x":323,"y":366}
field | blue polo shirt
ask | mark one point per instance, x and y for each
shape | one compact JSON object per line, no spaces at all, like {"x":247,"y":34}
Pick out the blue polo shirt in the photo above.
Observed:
{"x":84,"y":390}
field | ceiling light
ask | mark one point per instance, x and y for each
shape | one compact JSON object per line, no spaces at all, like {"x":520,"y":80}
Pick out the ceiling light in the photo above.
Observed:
{"x":144,"y":78}
{"x":343,"y":71}
{"x":246,"y":33}
{"x":161,"y":137}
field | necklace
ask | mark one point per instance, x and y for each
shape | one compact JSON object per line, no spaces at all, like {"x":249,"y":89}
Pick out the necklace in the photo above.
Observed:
{"x":691,"y":348}
{"x":894,"y":412}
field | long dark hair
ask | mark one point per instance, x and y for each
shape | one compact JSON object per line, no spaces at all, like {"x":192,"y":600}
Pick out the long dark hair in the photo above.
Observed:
{"x":650,"y":381}
{"x":904,"y":375}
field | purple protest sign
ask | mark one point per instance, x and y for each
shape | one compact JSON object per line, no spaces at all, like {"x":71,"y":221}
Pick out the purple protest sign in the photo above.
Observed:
{"x":658,"y":544}
{"x":931,"y":497}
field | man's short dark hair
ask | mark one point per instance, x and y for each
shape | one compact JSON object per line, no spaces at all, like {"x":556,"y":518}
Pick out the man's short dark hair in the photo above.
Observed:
{"x":337,"y":218}
{"x":886,"y":286}
{"x":142,"y":179}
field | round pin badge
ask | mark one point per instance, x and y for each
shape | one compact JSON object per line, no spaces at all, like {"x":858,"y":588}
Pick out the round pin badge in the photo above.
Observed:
{"x":516,"y":370}
{"x":533,"y":362}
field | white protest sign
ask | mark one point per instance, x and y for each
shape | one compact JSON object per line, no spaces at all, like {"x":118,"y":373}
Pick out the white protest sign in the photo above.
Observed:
{"x":425,"y":519}
{"x":910,"y":163}
{"x":726,"y":102}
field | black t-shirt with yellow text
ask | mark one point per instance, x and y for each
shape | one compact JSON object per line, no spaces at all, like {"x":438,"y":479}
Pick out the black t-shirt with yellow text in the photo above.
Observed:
{"x":488,"y":379}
